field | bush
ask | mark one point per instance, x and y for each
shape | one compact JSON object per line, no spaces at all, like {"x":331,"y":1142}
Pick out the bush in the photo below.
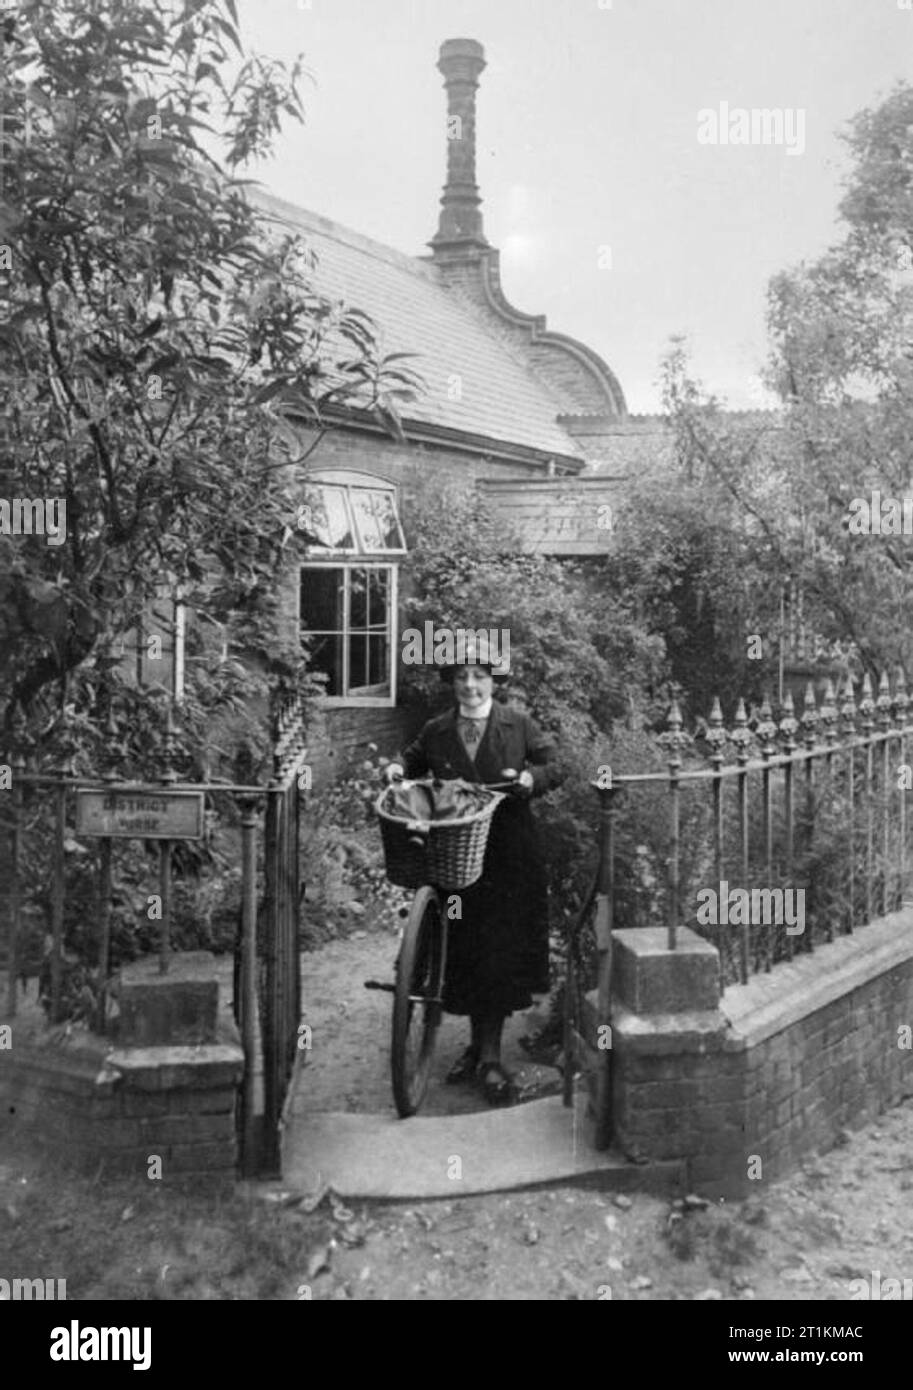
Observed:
{"x":578,"y":653}
{"x":342,"y":860}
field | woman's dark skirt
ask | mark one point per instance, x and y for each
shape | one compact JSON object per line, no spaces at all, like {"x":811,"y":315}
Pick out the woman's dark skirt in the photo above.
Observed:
{"x":497,"y":950}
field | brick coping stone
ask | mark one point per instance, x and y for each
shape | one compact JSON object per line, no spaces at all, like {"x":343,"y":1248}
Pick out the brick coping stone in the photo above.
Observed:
{"x":792,"y":990}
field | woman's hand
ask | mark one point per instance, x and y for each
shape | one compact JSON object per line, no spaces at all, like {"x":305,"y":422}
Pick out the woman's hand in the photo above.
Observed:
{"x":523,"y":783}
{"x":393,"y":772}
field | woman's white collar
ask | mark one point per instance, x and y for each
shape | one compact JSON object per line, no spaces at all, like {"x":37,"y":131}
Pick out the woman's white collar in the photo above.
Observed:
{"x":482,"y":712}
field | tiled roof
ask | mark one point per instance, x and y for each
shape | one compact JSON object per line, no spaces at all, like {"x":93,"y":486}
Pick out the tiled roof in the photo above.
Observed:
{"x":498,"y":398}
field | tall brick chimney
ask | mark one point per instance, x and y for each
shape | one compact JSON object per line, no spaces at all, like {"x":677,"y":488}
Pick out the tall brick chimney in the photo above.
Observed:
{"x":460,"y":226}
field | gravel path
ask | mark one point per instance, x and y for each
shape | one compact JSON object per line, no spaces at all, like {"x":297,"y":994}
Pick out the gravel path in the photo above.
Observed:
{"x":348,"y":1064}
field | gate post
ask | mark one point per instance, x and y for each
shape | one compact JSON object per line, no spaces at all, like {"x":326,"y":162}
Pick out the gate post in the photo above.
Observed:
{"x":248,"y":980}
{"x":678,"y":1089}
{"x":605,"y":907}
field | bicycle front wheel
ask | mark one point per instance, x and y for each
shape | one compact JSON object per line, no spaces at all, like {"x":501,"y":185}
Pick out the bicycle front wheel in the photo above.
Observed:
{"x":417,"y":1004}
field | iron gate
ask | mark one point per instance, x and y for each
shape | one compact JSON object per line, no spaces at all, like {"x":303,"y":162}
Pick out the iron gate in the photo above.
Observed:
{"x":267,"y":993}
{"x":280,"y":975}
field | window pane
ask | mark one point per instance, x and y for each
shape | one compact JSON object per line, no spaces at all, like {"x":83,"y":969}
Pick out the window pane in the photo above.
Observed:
{"x":358,"y":598}
{"x":330,"y":517}
{"x":377,"y":598}
{"x":158,"y":662}
{"x":128,"y":648}
{"x":326,"y":658}
{"x":322,"y":599}
{"x":147,"y":652}
{"x":379,"y":667}
{"x":158,"y":645}
{"x":358,"y":661}
{"x":388,"y":525}
{"x":369,"y":529}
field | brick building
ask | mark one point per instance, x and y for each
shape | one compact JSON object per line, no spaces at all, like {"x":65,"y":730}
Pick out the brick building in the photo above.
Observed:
{"x":509,"y":404}
{"x":532,"y":415}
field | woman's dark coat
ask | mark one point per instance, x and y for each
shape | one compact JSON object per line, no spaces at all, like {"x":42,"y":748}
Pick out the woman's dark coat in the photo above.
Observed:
{"x":498,"y":948}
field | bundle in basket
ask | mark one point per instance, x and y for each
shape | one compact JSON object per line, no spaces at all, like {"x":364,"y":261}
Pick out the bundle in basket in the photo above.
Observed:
{"x":445,"y":842}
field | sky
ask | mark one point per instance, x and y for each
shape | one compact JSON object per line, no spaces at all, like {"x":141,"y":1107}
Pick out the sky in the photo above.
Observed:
{"x":612,"y":216}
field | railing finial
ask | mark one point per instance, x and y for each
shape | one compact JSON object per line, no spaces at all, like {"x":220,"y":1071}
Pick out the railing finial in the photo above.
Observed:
{"x":829,"y":714}
{"x":810,"y":719}
{"x":766,"y":728}
{"x":883,"y":703}
{"x":901,"y":698}
{"x":716,"y":735}
{"x":789,"y":724}
{"x":674,"y":739}
{"x":741,"y":734}
{"x":848,"y":708}
{"x":867,"y":705}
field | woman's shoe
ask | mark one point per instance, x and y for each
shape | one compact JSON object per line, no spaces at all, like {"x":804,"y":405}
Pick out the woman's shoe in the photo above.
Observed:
{"x":497,"y":1084}
{"x":464,"y":1068}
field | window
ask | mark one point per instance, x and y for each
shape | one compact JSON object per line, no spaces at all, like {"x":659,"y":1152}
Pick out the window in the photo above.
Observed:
{"x":347,"y":616}
{"x":153,"y":652}
{"x":352,"y":519}
{"x":348,"y":590}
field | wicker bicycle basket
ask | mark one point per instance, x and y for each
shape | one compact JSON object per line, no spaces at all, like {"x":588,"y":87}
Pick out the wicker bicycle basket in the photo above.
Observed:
{"x":451,"y":852}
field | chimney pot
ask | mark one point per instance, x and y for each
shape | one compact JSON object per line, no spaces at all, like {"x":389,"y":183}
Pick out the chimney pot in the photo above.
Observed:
{"x":453,"y":51}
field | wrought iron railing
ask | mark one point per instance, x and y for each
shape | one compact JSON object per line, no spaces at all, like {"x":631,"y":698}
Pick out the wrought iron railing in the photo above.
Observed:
{"x":814,"y":804}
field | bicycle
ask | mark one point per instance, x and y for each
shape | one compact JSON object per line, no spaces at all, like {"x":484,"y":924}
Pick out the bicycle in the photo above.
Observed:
{"x":458,"y":852}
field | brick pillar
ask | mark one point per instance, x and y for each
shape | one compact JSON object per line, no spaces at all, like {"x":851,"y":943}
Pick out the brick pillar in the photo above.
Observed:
{"x":177,"y":1066}
{"x":678,"y":1090}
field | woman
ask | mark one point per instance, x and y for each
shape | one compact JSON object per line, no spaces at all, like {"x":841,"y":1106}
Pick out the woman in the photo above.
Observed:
{"x":498,"y":948}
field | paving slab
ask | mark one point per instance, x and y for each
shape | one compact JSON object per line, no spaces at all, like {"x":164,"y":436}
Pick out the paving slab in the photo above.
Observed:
{"x":447,"y":1156}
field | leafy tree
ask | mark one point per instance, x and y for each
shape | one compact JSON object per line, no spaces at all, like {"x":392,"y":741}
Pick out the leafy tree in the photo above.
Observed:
{"x":759,"y":508}
{"x":160,"y":341}
{"x":843,"y":364}
{"x":699,"y":549}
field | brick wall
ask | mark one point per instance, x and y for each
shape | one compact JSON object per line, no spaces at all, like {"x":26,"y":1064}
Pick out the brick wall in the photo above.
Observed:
{"x":339,"y":738}
{"x":775,"y":1070}
{"x":402,"y":463}
{"x":178,"y":1104}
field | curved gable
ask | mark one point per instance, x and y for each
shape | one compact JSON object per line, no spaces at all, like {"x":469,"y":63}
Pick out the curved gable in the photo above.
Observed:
{"x":575,"y":376}
{"x":571,"y":370}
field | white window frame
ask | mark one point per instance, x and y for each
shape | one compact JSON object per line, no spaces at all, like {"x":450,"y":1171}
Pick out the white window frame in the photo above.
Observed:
{"x":368,"y":700}
{"x":349,"y":480}
{"x":320,"y":557}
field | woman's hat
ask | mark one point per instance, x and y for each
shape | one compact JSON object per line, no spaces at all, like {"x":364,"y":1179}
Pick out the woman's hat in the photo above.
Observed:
{"x":496,"y":673}
{"x":491,"y":652}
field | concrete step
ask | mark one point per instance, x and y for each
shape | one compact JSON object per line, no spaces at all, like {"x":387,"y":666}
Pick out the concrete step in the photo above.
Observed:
{"x":495,"y":1150}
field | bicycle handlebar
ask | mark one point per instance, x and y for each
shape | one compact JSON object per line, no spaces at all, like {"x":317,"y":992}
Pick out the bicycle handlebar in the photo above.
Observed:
{"x":433,"y":781}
